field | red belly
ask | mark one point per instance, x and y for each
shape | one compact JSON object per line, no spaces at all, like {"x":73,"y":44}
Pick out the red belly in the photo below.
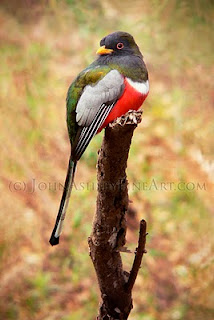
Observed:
{"x":130,"y":100}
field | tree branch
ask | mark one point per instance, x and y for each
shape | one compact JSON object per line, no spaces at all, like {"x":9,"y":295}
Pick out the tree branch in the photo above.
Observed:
{"x":109,"y":226}
{"x":140,"y":250}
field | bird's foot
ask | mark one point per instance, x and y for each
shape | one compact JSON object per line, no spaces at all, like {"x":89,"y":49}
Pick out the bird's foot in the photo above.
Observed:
{"x":131,"y":117}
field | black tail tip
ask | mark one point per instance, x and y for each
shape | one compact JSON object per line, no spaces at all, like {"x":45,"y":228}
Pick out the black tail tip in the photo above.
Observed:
{"x":53,"y":240}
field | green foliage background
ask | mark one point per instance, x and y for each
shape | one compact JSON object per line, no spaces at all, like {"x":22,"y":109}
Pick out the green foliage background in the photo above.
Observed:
{"x":43,"y":46}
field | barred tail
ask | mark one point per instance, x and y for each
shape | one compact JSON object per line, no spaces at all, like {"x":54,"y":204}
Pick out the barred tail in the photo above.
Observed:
{"x":54,"y":239}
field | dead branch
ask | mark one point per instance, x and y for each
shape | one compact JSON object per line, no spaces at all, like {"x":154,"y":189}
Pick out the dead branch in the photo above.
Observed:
{"x":109,"y":226}
{"x":140,"y":250}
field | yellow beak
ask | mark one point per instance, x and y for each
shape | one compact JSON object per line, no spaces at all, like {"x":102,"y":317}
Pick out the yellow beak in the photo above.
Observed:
{"x":103,"y":50}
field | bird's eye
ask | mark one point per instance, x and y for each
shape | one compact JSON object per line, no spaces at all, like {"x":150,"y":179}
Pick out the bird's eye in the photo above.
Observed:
{"x":120,"y":45}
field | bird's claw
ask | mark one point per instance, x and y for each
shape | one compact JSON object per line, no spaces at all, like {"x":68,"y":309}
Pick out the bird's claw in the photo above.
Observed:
{"x":131,"y":117}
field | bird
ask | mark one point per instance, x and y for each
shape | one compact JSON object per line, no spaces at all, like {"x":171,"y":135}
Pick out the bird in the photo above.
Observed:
{"x":116,"y":82}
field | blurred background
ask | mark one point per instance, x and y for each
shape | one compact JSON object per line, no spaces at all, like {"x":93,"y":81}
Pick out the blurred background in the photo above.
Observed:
{"x":43,"y":46}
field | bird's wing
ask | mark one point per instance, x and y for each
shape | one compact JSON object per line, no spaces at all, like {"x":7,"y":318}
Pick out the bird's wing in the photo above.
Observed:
{"x":95,"y":103}
{"x":85,"y":134}
{"x":95,"y":97}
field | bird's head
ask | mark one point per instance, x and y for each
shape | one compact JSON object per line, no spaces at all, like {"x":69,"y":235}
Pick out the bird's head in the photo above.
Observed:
{"x":118,"y":44}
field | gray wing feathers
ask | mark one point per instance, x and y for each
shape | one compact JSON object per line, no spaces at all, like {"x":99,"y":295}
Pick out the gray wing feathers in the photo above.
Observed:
{"x":87,"y":133}
{"x":106,"y":90}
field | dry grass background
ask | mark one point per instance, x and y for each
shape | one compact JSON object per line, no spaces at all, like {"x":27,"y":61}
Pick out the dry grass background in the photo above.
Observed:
{"x":43,"y":46}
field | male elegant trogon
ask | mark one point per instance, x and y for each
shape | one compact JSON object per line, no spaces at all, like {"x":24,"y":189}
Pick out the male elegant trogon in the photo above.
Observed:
{"x":116,"y":82}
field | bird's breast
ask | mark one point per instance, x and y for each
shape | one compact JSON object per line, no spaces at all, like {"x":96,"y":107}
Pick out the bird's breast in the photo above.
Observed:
{"x":132,"y":98}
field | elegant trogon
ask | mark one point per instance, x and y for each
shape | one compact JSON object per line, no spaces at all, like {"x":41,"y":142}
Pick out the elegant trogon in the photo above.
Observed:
{"x":116,"y":82}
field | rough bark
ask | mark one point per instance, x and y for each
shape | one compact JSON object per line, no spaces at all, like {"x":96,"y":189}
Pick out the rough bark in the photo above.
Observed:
{"x":109,"y":227}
